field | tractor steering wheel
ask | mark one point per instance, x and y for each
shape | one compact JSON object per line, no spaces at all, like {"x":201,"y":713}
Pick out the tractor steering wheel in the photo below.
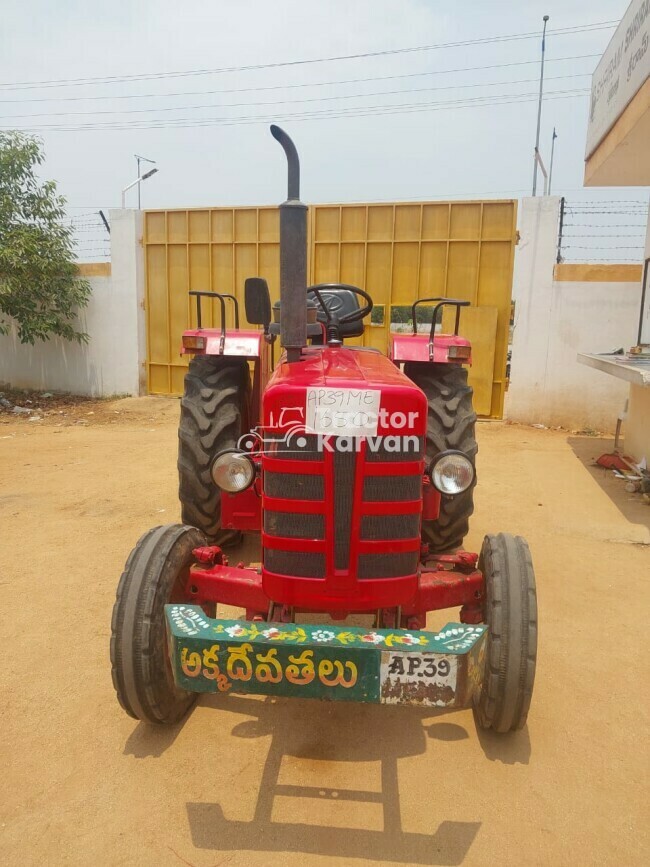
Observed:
{"x":353,"y":315}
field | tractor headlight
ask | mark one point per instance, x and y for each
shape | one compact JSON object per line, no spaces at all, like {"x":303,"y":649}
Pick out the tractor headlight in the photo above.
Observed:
{"x":233,"y":471}
{"x":451,"y":472}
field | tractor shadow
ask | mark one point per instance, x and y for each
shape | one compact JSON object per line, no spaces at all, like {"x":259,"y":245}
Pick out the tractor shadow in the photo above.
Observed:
{"x":309,"y":734}
{"x":149,"y":741}
{"x":509,"y":749}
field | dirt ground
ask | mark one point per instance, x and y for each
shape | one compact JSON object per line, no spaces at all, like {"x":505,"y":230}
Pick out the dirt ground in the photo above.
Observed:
{"x":85,"y":784}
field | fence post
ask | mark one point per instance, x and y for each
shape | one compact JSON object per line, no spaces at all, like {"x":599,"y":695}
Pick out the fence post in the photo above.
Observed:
{"x":559,"y":236}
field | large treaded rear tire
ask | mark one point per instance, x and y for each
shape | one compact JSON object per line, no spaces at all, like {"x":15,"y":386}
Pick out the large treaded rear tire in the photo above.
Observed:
{"x":214,"y":410}
{"x":511,"y":616}
{"x":154,"y":575}
{"x":450,"y":425}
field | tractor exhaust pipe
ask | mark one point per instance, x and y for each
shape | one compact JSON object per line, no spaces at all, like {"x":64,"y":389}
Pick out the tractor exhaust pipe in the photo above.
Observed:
{"x":293,"y":255}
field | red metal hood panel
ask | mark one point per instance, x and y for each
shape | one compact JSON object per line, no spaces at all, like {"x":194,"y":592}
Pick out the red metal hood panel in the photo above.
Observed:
{"x":343,"y":368}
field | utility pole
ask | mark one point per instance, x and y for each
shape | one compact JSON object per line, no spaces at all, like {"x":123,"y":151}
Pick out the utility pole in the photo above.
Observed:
{"x":137,"y":182}
{"x":539,"y":107}
{"x":140,"y":159}
{"x":550,"y":168}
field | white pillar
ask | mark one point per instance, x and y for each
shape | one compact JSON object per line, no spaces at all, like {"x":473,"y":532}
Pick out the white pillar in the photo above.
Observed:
{"x":128,"y":289}
{"x":532,"y":292}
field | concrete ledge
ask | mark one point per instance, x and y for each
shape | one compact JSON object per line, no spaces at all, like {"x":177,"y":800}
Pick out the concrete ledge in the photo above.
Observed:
{"x":94,"y":269}
{"x":637,"y":373}
{"x":586,"y":273}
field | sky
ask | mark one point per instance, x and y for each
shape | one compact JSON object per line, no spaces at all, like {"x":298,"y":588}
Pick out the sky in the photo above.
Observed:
{"x":208,"y":131}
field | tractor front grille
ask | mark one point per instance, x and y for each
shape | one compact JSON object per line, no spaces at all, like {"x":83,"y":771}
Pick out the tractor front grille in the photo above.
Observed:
{"x":346,"y":467}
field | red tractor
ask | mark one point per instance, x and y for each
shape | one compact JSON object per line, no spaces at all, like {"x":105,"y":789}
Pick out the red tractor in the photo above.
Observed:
{"x":358,"y":471}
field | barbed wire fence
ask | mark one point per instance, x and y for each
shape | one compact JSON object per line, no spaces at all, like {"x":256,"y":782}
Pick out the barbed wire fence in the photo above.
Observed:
{"x":92,"y":236}
{"x":602,"y":231}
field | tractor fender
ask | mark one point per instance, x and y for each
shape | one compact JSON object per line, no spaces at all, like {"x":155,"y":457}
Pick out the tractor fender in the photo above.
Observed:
{"x":416,"y":347}
{"x":234,"y":343}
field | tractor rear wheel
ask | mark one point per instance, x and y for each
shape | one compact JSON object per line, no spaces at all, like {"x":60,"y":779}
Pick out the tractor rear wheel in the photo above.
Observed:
{"x":214,"y":415}
{"x":155,"y":574}
{"x":511,"y":617}
{"x":450,"y":425}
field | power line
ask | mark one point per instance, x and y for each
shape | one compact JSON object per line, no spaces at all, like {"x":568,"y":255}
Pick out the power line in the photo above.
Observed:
{"x":295,"y":101}
{"x":627,"y":212}
{"x":606,"y":202}
{"x":293,"y":86}
{"x":589,"y":207}
{"x":612,"y":247}
{"x":419,"y":198}
{"x":77,"y":82}
{"x":642,"y":226}
{"x":362,"y":111}
{"x":615,"y":259}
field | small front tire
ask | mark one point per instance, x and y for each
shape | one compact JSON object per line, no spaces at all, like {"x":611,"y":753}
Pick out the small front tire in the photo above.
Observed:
{"x":155,"y":574}
{"x":511,"y":617}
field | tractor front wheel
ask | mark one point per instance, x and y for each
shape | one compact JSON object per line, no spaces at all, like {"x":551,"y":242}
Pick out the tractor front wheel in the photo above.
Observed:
{"x":511,"y":617}
{"x":155,"y":574}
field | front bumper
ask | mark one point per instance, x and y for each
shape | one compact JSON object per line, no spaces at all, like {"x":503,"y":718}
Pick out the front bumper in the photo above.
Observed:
{"x":331,"y":662}
{"x":446,"y":581}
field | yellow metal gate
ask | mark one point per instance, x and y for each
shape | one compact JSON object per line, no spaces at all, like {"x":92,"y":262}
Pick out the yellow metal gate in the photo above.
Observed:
{"x":397,"y":252}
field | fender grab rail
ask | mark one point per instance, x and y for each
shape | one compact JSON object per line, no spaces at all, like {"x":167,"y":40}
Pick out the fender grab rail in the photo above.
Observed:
{"x":221,"y":296}
{"x":452,"y":302}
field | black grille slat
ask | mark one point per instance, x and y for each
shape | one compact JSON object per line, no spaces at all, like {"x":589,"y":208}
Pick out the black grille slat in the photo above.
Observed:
{"x":294,"y":486}
{"x":377,"y":527}
{"x":294,"y":525}
{"x":344,"y":467}
{"x":296,"y":446}
{"x":384,"y":489}
{"x":388,"y":565}
{"x":295,"y":563}
{"x":383,"y":451}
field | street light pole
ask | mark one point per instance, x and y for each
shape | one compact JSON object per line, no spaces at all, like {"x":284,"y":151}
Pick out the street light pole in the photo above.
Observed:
{"x":539,"y":107}
{"x":140,"y":159}
{"x":137,"y":181}
{"x":550,"y":168}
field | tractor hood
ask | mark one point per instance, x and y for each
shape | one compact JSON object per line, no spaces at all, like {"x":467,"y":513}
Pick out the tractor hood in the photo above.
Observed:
{"x":344,"y":392}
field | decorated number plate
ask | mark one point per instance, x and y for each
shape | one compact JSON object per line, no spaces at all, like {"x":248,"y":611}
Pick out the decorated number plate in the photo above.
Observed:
{"x":421,"y":678}
{"x":346,"y":663}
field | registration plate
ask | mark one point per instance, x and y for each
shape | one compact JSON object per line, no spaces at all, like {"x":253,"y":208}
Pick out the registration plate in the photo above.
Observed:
{"x":428,"y":678}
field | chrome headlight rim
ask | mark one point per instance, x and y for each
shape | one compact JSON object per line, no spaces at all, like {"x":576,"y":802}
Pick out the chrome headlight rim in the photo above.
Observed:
{"x":246,"y":459}
{"x":441,"y":456}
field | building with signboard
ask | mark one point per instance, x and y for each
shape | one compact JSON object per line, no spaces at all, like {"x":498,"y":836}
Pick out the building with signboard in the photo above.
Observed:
{"x":618,"y":154}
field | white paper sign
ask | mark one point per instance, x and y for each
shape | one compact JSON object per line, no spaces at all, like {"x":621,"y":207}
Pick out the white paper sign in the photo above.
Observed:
{"x":345,"y":412}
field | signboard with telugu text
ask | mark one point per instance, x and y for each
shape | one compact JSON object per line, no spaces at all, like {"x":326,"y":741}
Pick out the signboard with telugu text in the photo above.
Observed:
{"x":623,"y":69}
